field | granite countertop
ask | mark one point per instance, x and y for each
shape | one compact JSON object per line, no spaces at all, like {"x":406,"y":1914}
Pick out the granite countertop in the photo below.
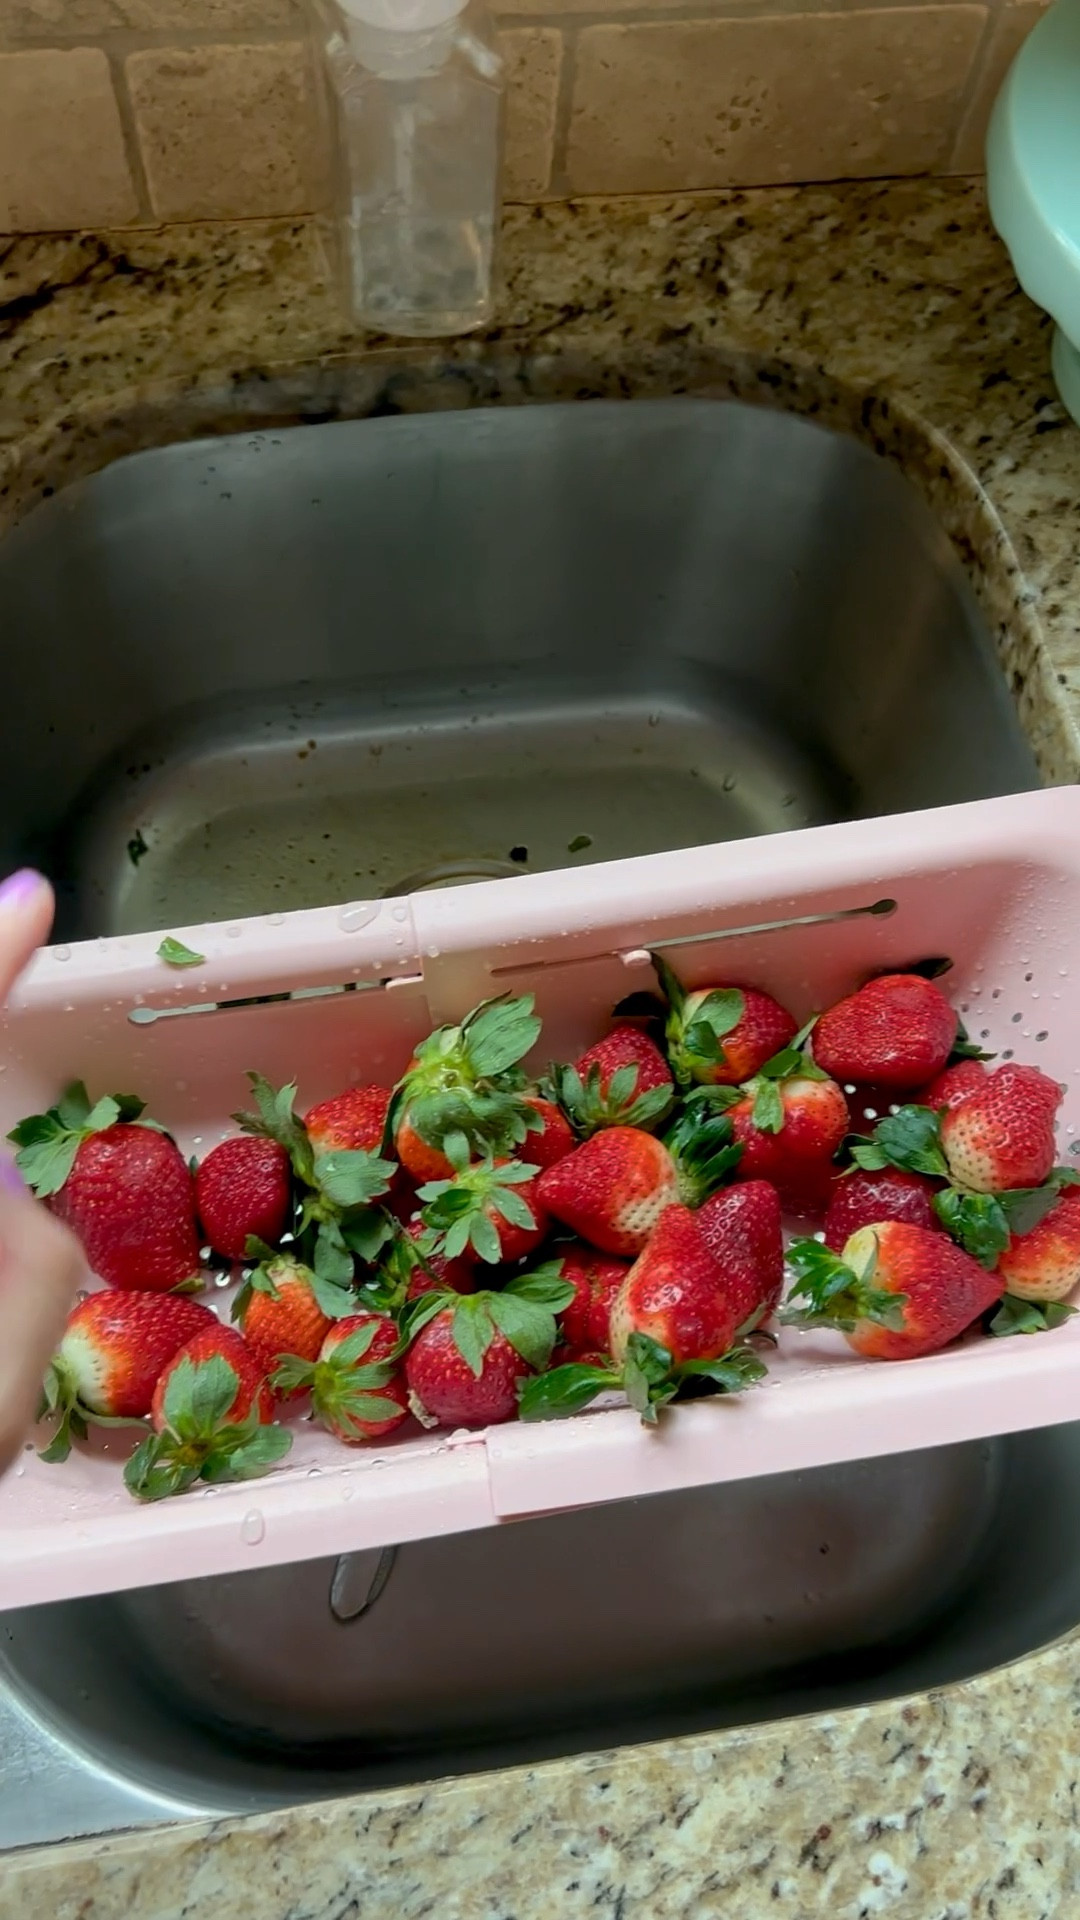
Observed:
{"x":887,"y":309}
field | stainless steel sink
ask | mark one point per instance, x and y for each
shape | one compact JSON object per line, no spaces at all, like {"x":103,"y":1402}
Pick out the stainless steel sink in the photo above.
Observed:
{"x":287,"y":668}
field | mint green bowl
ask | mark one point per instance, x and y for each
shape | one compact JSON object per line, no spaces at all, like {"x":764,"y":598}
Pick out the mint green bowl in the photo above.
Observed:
{"x":1033,"y":180}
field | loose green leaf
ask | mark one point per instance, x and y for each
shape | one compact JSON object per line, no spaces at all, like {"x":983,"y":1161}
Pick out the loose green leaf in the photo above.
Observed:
{"x":579,"y":843}
{"x":175,"y":954}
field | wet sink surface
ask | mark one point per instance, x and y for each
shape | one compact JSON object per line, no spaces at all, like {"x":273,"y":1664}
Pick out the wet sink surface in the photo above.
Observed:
{"x":334,"y":662}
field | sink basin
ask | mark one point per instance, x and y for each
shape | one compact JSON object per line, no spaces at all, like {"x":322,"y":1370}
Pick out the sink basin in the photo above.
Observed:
{"x":327,"y":663}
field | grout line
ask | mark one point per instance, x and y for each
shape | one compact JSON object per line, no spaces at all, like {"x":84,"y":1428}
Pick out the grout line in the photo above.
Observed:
{"x":132,"y":143}
{"x":564,"y":99}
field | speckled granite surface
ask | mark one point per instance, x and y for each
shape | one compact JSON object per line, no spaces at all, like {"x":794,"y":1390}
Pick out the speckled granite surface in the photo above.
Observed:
{"x":887,"y":309}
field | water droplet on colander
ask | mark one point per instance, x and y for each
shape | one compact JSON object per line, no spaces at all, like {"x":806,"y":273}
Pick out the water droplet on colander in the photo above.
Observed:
{"x":275,"y":919}
{"x":233,"y":932}
{"x":62,"y":953}
{"x":221,"y":1279}
{"x":252,"y":1527}
{"x":400,"y":912}
{"x":313,"y":1473}
{"x":433,"y":953}
{"x":360,"y":914}
{"x":83,"y":1294}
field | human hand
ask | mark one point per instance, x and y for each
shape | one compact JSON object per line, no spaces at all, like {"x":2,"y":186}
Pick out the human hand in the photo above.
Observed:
{"x":40,"y":1261}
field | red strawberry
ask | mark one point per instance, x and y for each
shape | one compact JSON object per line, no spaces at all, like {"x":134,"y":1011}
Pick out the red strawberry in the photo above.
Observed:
{"x":351,"y":1121}
{"x":357,"y":1391}
{"x":1044,"y":1263}
{"x":280,"y":1309}
{"x":492,"y":1208}
{"x":613,"y":1189}
{"x":596,"y":1280}
{"x":897,"y":1293}
{"x":741,"y":1228}
{"x":465,"y":1084}
{"x":445,"y":1391}
{"x":123,"y":1186}
{"x":470,"y":1355}
{"x":674,"y":1295}
{"x":107,"y":1364}
{"x":721,"y":1036}
{"x":863,"y":1199}
{"x":949,"y":1088}
{"x":896,"y":1032}
{"x":623,"y":1080}
{"x":554,"y":1137}
{"x":242,"y":1192}
{"x":1001,"y":1135}
{"x":790,"y":1130}
{"x":212,"y":1412}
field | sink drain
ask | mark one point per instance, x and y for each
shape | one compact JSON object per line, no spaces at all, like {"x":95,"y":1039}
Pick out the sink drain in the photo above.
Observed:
{"x":453,"y":873}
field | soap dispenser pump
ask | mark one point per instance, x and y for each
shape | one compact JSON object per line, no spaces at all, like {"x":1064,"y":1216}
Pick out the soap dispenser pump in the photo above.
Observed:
{"x":415,"y":96}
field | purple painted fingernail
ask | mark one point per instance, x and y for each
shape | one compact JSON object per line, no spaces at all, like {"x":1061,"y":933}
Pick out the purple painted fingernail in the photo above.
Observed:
{"x":10,"y":1177}
{"x":20,"y":887}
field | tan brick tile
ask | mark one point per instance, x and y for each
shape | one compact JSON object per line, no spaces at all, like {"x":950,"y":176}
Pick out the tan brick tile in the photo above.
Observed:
{"x":533,"y":58}
{"x":225,"y":131}
{"x":62,"y":159}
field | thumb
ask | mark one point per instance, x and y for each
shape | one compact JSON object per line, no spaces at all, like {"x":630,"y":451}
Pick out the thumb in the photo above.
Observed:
{"x":41,"y":1264}
{"x":26,"y":914}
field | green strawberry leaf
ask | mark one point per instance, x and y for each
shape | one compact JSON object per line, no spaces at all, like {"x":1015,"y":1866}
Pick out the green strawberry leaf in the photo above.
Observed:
{"x":417,"y":1314}
{"x":198,"y":1396}
{"x":497,"y":1034}
{"x":368,"y":1232}
{"x":910,"y":1139}
{"x":175,"y":954}
{"x":332,"y":1262}
{"x":563,"y":1391}
{"x":544,"y":1286}
{"x":481,"y":1234}
{"x":274,"y":1119}
{"x":733,"y":1372}
{"x":46,"y":1164}
{"x":154,"y":1473}
{"x":331,"y":1297}
{"x":767,"y":1111}
{"x":242,"y":1458}
{"x":473,"y":1330}
{"x":291,"y":1373}
{"x":835,"y":1294}
{"x":73,"y":1107}
{"x":513,"y":1208}
{"x":350,"y":1177}
{"x":670,"y":985}
{"x":1015,"y":1316}
{"x":529,"y":1328}
{"x":964,"y":1048}
{"x":977,"y":1220}
{"x":1024,"y":1207}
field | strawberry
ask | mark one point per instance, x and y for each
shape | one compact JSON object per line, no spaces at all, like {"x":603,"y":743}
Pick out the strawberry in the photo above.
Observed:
{"x":1002,"y":1133}
{"x":351,"y":1121}
{"x":674,"y":1295}
{"x":492,"y":1208}
{"x":357,"y":1392}
{"x":120,"y":1183}
{"x":720,"y":1036}
{"x":469,"y":1356}
{"x":949,"y":1088}
{"x":623,"y":1080}
{"x":465,"y":1084}
{"x":339,"y":1219}
{"x":897,"y":1293}
{"x":863,"y":1199}
{"x":613,"y":1189}
{"x":283,"y":1307}
{"x":212,"y":1412}
{"x":789,"y":1130}
{"x":897,"y":1031}
{"x":107,"y":1364}
{"x":584,"y":1323}
{"x":1044,"y":1262}
{"x":242,"y":1192}
{"x":740,"y":1226}
{"x":672,"y":1330}
{"x":552,"y":1139}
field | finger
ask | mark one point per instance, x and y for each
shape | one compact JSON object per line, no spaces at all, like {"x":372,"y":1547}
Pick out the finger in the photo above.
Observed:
{"x":26,"y":914}
{"x":41,"y":1265}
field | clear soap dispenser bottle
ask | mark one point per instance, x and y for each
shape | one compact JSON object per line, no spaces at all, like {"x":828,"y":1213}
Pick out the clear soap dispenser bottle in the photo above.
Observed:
{"x":415,"y":96}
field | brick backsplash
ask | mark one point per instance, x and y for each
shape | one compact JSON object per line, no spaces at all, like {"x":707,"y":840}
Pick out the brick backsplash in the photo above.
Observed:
{"x":132,"y":112}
